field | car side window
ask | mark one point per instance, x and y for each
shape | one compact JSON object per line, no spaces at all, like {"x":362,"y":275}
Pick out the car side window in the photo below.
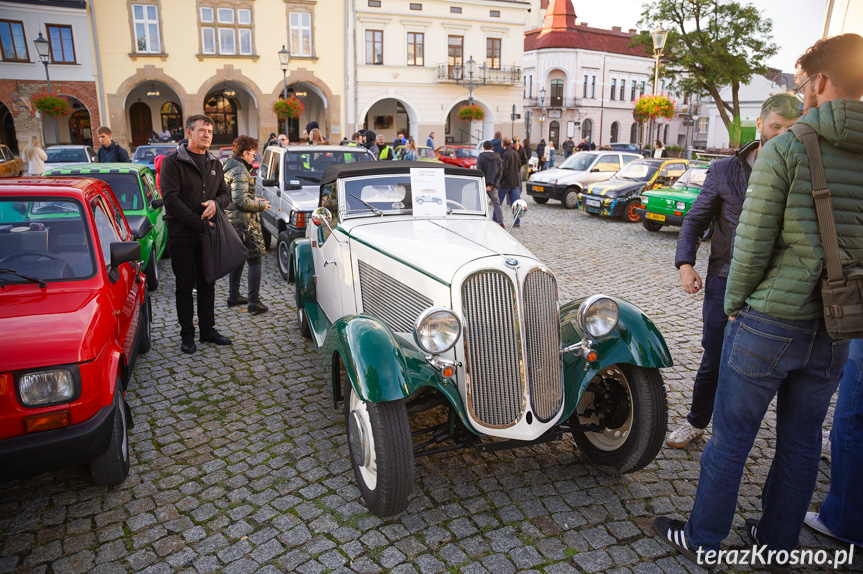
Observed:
{"x":4,"y":154}
{"x":117,"y":216}
{"x":672,"y":170}
{"x":150,"y":189}
{"x":629,"y":158}
{"x":265,"y":168}
{"x":608,"y":163}
{"x":104,"y":229}
{"x":274,"y":165}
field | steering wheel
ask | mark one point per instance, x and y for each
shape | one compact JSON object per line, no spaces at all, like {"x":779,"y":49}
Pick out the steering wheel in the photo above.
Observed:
{"x":457,"y":204}
{"x":31,"y":253}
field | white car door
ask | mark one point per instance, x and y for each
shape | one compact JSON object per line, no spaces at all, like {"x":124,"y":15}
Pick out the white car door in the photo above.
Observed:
{"x":269,"y":170}
{"x":605,"y":166}
{"x":331,"y":256}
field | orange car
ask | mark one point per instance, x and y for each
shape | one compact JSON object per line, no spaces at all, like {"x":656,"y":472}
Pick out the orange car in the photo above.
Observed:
{"x":10,"y":166}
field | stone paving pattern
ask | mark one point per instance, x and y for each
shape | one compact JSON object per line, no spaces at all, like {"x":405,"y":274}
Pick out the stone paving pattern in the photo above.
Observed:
{"x":240,"y":463}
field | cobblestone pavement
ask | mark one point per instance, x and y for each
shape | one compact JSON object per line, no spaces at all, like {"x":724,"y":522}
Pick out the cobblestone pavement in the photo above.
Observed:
{"x":240,"y":464}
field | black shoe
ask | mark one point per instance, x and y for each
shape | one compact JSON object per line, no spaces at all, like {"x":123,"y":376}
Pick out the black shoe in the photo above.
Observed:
{"x":752,"y":530}
{"x":258,"y":308}
{"x":214,"y":337}
{"x":188,"y":346}
{"x":671,"y":531}
{"x":237,"y":301}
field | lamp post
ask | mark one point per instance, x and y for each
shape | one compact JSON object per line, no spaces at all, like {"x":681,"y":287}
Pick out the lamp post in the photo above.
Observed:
{"x":458,"y":72}
{"x":542,"y":113}
{"x":42,"y":48}
{"x":284,"y":60}
{"x":660,"y":35}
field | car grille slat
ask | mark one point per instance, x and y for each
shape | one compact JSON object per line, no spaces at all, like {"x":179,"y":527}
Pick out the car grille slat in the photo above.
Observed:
{"x":495,"y":383}
{"x":542,"y":333}
{"x":392,"y":301}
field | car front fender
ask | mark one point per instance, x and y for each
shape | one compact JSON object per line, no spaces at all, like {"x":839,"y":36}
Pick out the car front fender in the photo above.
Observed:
{"x":304,"y":269}
{"x":635,"y":340}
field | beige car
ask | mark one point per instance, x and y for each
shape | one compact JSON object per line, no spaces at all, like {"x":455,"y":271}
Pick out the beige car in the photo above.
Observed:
{"x":10,"y":166}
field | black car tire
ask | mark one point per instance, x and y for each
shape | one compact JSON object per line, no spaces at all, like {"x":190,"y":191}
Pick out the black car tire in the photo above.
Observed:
{"x":303,"y":322}
{"x":629,"y":213}
{"x":636,"y":440}
{"x":268,"y":239}
{"x":651,"y":225}
{"x":146,"y":324}
{"x":383,"y":457}
{"x":112,"y":466}
{"x":541,"y":200}
{"x":152,"y":271}
{"x":570,"y":199}
{"x":283,"y":254}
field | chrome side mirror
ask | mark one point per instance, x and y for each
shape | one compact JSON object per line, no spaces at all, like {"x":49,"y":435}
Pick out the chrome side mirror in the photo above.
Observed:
{"x":321,"y":217}
{"x":519,"y":209}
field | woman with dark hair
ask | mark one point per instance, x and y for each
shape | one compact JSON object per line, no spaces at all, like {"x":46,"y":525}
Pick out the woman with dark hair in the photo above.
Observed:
{"x":540,"y":155}
{"x":243,"y":213}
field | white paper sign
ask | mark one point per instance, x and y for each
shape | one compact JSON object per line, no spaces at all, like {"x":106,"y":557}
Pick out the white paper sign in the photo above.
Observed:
{"x":428,"y":192}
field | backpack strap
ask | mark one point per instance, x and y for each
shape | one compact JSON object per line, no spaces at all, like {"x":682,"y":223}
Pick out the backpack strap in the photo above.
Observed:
{"x":823,"y":207}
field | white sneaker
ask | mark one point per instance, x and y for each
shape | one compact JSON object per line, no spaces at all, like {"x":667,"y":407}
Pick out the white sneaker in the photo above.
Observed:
{"x":683,"y":435}
{"x":814,"y":522}
{"x":825,"y":445}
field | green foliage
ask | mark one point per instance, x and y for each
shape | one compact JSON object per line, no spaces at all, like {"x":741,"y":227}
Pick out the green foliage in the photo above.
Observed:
{"x":652,"y":107}
{"x":52,"y":105}
{"x":288,"y":109}
{"x":711,"y":45}
{"x":472,"y":112}
{"x":570,"y":551}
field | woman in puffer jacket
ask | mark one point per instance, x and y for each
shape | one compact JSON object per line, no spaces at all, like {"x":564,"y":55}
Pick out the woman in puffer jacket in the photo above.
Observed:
{"x":243,"y":213}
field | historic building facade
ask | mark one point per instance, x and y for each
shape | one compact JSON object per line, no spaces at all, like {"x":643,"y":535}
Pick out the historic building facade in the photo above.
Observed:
{"x":591,"y":79}
{"x":404,"y":60}
{"x":65,"y":26}
{"x":162,"y":61}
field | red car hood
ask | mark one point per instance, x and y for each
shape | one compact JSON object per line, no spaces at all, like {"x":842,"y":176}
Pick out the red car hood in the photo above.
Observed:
{"x":40,"y":328}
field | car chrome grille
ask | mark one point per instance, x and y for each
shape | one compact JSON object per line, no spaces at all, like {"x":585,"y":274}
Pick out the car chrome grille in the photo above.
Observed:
{"x":495,"y":385}
{"x":542,"y":332}
{"x":392,"y":301}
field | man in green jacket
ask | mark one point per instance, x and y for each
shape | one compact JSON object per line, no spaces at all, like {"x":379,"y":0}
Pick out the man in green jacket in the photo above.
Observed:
{"x":776,"y":343}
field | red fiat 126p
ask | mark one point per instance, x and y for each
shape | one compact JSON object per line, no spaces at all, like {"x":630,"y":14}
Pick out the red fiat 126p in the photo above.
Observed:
{"x":74,"y":314}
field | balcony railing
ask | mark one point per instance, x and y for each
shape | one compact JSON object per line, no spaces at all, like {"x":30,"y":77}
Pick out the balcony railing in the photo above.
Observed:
{"x":557,"y":102}
{"x":503,"y":76}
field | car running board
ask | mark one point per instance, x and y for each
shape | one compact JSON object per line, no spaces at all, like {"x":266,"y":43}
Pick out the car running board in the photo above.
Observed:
{"x":318,"y":322}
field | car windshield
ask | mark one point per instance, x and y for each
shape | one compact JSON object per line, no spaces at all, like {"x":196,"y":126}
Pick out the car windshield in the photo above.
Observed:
{"x":146,"y":154}
{"x":125,"y":186}
{"x":578,"y":162}
{"x":466,"y":152}
{"x":310,"y":166}
{"x":693,"y":177}
{"x":392,"y":193}
{"x":637,"y":171}
{"x":66,"y":155}
{"x":44,"y":240}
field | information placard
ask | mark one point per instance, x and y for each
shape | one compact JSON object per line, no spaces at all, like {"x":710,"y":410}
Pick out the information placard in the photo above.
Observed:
{"x":428,"y":191}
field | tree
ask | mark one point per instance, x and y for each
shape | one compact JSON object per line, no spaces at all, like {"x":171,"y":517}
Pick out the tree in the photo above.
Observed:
{"x":712,"y":44}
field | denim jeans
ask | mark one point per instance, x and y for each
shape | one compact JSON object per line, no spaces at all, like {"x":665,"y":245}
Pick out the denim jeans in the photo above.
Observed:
{"x":842,"y":512}
{"x":712,"y":334}
{"x":763,"y":357}
{"x":510,"y":194}
{"x":496,"y":213}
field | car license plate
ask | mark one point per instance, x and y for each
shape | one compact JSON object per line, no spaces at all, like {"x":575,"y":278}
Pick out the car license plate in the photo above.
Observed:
{"x":655,"y":216}
{"x":593,"y":202}
{"x":538,"y":188}
{"x":594,"y":210}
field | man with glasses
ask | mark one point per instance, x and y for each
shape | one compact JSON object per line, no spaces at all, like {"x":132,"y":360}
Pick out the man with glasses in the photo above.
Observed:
{"x":719,"y":203}
{"x":283,"y":140}
{"x":776,"y":344}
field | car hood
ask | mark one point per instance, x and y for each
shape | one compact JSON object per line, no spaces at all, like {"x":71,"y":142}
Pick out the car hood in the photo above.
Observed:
{"x":439,"y":247}
{"x":678,"y":194}
{"x":563,"y":175}
{"x":304,"y":199}
{"x":614,"y":188}
{"x":41,"y":328}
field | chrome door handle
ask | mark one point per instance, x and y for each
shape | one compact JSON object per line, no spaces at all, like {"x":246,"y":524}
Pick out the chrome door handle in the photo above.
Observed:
{"x":333,"y":261}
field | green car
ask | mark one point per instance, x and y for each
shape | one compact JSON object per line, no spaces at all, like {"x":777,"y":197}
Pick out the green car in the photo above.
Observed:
{"x":136,"y":192}
{"x":669,"y":205}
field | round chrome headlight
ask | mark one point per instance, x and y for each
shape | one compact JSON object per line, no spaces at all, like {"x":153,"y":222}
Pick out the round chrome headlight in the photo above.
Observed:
{"x":598,"y":315}
{"x":437,"y":329}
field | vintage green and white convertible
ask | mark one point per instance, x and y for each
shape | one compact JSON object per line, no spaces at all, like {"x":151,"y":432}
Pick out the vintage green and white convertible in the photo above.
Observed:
{"x":416,"y":305}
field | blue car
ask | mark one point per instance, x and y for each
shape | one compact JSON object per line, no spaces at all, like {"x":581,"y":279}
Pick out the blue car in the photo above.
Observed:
{"x":147,"y":154}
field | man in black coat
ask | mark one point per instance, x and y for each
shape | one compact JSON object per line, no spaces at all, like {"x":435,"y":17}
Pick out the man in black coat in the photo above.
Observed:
{"x":490,"y":164}
{"x":193,"y":185}
{"x":720,"y":200}
{"x":510,"y":181}
{"x":109,"y":150}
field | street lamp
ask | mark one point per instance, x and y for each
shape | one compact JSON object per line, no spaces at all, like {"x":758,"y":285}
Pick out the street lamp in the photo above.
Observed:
{"x":542,"y":105}
{"x":459,"y":71}
{"x":284,"y":60}
{"x":43,"y":48}
{"x":660,"y":35}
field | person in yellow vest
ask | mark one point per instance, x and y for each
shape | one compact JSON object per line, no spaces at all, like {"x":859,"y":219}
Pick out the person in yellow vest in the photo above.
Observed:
{"x":384,"y":150}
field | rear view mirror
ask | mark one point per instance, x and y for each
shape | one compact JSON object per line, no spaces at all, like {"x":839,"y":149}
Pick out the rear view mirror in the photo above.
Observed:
{"x":269,"y":182}
{"x":123,"y":251}
{"x":157,"y":203}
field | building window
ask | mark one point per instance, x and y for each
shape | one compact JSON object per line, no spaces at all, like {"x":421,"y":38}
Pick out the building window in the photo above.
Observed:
{"x":301,"y":34}
{"x":62,"y":45}
{"x":584,"y":95}
{"x":633,"y":133}
{"x":375,"y":47}
{"x":455,"y":9}
{"x":232,"y":33}
{"x":641,"y":88}
{"x":374,"y":3}
{"x":634,"y":85}
{"x":14,"y":41}
{"x":492,"y":53}
{"x":622,"y":89}
{"x":587,"y":130}
{"x":415,"y":48}
{"x":455,"y":52}
{"x":172,"y":118}
{"x":613,"y":88}
{"x":615,"y":132}
{"x":415,"y":6}
{"x":703,"y":124}
{"x":494,"y":13}
{"x":593,"y":87}
{"x":557,"y":92}
{"x":146,"y":22}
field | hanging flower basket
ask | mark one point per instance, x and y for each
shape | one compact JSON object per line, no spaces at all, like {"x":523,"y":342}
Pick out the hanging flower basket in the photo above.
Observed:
{"x":52,"y":105}
{"x":289,"y":109}
{"x":653,"y":107}
{"x":470,"y":113}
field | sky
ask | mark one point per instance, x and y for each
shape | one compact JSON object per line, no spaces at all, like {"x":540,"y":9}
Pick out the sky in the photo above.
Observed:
{"x":797,"y":24}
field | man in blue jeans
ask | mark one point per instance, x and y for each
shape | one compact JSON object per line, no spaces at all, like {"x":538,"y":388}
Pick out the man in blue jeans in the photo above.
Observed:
{"x":776,"y":344}
{"x":510,"y":181}
{"x":841,"y":515}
